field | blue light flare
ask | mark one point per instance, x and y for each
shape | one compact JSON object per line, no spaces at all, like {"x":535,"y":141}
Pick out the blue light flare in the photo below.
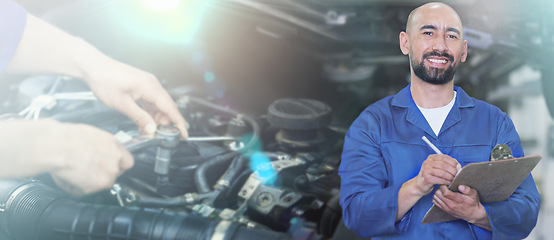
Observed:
{"x":209,"y":77}
{"x":261,"y":165}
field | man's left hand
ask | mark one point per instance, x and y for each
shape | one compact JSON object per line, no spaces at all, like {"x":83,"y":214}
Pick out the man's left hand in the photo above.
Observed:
{"x":121,"y":87}
{"x":464,"y":205}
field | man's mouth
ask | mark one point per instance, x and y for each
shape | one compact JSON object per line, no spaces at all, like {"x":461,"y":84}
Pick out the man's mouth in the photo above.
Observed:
{"x":437,"y":59}
{"x":440,"y":61}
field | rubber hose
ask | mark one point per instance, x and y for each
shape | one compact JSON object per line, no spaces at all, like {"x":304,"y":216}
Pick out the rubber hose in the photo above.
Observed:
{"x":237,"y":184}
{"x":200,"y":174}
{"x":234,"y":169}
{"x":34,"y":211}
{"x":330,"y":217}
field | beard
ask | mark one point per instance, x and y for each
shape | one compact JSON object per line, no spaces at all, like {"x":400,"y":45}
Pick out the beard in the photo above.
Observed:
{"x":432,"y":75}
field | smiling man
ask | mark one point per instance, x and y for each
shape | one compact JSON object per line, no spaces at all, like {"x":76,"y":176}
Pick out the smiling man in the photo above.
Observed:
{"x":390,"y":177}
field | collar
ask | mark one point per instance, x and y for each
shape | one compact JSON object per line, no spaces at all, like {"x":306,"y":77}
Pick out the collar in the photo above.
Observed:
{"x":404,"y":98}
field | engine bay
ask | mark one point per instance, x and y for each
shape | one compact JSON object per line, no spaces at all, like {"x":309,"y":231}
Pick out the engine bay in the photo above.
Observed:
{"x":236,"y":177}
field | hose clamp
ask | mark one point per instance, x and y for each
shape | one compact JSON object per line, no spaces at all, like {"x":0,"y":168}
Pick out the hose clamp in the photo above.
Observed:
{"x":220,"y":230}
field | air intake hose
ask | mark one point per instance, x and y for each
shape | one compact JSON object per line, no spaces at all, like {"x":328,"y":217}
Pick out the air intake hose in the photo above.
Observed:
{"x":34,"y":211}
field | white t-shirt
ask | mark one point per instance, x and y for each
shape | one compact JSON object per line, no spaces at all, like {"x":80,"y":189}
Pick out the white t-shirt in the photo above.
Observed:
{"x":436,"y":116}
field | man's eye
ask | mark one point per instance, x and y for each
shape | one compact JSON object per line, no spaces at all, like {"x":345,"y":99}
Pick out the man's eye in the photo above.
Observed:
{"x":427,"y":33}
{"x":453,"y":36}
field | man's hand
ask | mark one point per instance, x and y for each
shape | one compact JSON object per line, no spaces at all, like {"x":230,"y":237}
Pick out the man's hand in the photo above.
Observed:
{"x":116,"y":84}
{"x":93,"y":159}
{"x":81,"y":159}
{"x":464,"y":205}
{"x":436,"y":169}
{"x":121,"y":86}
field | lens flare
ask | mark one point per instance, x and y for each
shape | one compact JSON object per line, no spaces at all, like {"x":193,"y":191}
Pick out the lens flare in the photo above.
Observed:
{"x":161,"y":5}
{"x":172,"y":21}
{"x":261,"y":165}
{"x":209,"y":77}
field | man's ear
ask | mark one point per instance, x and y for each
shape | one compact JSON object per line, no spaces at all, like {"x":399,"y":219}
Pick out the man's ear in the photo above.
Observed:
{"x":404,"y":45}
{"x":464,"y":51}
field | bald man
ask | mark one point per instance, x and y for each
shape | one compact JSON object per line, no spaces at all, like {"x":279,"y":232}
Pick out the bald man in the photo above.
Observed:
{"x":390,"y":177}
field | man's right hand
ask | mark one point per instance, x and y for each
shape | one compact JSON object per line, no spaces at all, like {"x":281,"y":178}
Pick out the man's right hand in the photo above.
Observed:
{"x":81,"y":159}
{"x":94,"y":159}
{"x":436,"y":169}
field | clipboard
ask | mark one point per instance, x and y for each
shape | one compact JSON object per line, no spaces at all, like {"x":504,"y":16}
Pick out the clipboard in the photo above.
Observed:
{"x":494,"y":181}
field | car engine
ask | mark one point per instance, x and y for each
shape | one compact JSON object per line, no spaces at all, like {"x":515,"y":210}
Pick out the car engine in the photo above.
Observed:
{"x":272,"y":176}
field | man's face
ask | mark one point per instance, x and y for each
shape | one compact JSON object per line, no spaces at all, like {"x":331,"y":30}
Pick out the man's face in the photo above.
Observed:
{"x":432,"y":74}
{"x":435,"y":45}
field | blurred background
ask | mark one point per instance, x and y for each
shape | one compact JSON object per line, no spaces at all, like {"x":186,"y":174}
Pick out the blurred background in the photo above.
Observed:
{"x":245,"y":54}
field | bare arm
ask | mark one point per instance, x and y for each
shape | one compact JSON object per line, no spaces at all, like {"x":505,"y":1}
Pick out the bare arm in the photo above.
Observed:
{"x":408,"y":196}
{"x":46,"y":49}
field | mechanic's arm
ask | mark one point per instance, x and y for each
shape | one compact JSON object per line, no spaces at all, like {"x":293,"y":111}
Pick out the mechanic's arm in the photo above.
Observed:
{"x":517,"y":216}
{"x":48,"y":50}
{"x":81,"y":159}
{"x":513,"y":218}
{"x":368,"y":203}
{"x":436,"y":169}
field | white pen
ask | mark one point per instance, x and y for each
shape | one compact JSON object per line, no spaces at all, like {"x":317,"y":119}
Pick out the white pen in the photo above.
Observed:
{"x":458,"y":167}
{"x":431,"y":145}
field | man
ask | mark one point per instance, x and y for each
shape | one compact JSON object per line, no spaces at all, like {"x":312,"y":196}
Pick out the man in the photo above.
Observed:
{"x":390,"y":177}
{"x":80,"y":158}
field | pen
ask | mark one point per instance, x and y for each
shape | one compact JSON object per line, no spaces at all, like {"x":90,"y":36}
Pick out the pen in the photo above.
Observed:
{"x":431,"y":145}
{"x":458,"y":166}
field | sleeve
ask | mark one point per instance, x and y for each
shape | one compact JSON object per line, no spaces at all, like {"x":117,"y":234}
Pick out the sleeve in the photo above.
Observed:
{"x":515,"y":217}
{"x":369,"y":204}
{"x":12,"y":23}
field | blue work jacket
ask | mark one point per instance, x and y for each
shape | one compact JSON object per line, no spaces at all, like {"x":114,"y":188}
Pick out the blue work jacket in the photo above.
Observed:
{"x":383,"y":149}
{"x":12,"y":23}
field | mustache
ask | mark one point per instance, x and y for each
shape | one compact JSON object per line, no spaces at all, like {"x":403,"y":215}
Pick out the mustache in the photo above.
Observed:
{"x":438,"y":54}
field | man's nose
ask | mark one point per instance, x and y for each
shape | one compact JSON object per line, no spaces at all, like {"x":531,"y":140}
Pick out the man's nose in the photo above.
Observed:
{"x":439,"y":44}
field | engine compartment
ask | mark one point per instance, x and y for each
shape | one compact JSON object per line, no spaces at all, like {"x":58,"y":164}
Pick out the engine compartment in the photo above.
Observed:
{"x":238,"y":176}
